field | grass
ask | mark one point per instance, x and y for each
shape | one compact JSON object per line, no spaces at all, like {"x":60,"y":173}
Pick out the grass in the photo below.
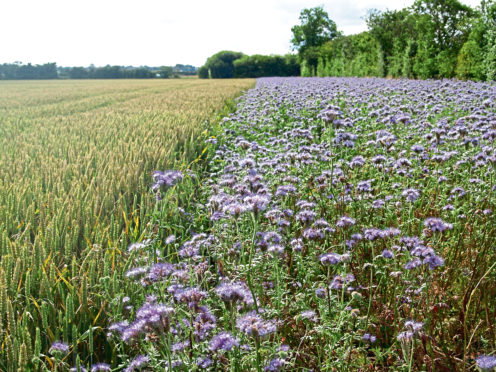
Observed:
{"x":75,"y":171}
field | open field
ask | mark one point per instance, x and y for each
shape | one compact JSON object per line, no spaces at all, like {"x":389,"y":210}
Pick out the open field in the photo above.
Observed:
{"x":75,"y":165}
{"x":346,"y":225}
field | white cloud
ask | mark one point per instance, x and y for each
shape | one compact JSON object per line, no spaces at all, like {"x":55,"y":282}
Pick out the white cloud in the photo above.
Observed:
{"x":161,"y":32}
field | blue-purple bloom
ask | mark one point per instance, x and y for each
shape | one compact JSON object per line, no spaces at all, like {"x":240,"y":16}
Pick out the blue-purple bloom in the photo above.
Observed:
{"x":165,"y":179}
{"x":223,"y":341}
{"x":276,"y":364}
{"x":59,"y":347}
{"x":486,"y":363}
{"x":138,"y":363}
{"x":254,"y":325}
{"x":101,"y":367}
{"x":345,"y":221}
{"x":234,"y":292}
{"x":437,"y":224}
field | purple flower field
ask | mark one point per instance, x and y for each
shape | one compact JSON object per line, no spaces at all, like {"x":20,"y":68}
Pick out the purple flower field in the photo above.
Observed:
{"x":343,"y":224}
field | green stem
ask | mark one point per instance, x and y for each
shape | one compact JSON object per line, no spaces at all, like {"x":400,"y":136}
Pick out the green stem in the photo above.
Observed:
{"x":257,"y":347}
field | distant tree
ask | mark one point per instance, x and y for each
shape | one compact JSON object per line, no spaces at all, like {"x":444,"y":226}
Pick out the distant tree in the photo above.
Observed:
{"x":203,"y":72}
{"x":19,"y":71}
{"x":443,"y":27}
{"x":78,"y":73}
{"x":488,"y":19}
{"x":184,"y":69}
{"x":393,"y":30}
{"x":165,"y":72}
{"x":221,"y":64}
{"x":261,"y":65}
{"x":450,"y":21}
{"x":315,"y":29}
{"x":138,"y":73}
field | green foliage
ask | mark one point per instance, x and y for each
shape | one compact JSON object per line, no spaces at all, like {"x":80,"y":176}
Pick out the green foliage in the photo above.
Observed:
{"x":432,"y":39}
{"x":488,"y":21}
{"x":221,"y":64}
{"x":354,"y":55}
{"x":305,"y":69}
{"x":18,"y":71}
{"x":315,"y":29}
{"x":165,"y":72}
{"x":392,"y":30}
{"x":470,"y":62}
{"x":203,"y":72}
{"x":260,"y":65}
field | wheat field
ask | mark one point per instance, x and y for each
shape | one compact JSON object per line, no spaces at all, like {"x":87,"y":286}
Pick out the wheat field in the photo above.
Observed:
{"x":75,"y":165}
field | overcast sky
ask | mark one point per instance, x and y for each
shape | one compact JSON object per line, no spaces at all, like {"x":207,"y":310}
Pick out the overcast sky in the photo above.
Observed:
{"x":161,"y":32}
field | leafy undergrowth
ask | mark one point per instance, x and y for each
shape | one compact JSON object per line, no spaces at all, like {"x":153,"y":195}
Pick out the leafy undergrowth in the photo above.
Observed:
{"x":345,"y":224}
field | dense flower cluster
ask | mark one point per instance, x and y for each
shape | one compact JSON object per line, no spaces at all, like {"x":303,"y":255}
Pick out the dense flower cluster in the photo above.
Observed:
{"x":330,"y":214}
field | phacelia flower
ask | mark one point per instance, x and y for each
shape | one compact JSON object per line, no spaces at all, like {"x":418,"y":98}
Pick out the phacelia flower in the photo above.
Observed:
{"x":59,"y":348}
{"x":223,"y":341}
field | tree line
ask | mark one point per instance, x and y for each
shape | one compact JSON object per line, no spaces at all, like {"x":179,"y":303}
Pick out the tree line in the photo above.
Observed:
{"x":229,"y":64}
{"x":19,"y":71}
{"x":430,"y":39}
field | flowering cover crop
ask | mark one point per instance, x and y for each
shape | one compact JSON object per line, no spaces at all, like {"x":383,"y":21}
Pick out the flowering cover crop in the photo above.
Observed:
{"x":346,"y":224}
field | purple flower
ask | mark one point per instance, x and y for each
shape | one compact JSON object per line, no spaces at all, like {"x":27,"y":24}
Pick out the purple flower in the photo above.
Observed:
{"x":165,"y":179}
{"x":387,"y":254}
{"x":331,"y":258}
{"x":306,"y":216}
{"x":338,"y":281}
{"x":223,"y":341}
{"x":75,"y":369}
{"x":377,"y":204}
{"x":372,"y":234}
{"x":410,"y":194}
{"x":284,"y":190}
{"x":160,"y":271}
{"x":320,"y":292}
{"x":297,"y":245}
{"x":136,"y":272}
{"x":345,"y":221}
{"x":233,"y":292}
{"x":103,"y":367}
{"x":276,"y":364}
{"x":309,"y":315}
{"x":413,"y":264}
{"x":235,"y":209}
{"x":433,"y":261}
{"x":204,"y":323}
{"x":59,"y":347}
{"x":138,"y":246}
{"x":486,"y":362}
{"x":204,"y":363}
{"x":313,"y":234}
{"x":256,"y":203}
{"x":367,"y":337}
{"x":437,"y":224}
{"x":364,"y":186}
{"x":253,"y":325}
{"x":191,"y":296}
{"x":414,"y":326}
{"x":170,"y":239}
{"x":137,"y":363}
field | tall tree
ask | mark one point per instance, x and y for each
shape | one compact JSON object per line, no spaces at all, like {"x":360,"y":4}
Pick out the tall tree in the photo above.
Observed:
{"x":393,"y":30}
{"x":221,"y":64}
{"x":450,"y":20}
{"x":316,"y":28}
